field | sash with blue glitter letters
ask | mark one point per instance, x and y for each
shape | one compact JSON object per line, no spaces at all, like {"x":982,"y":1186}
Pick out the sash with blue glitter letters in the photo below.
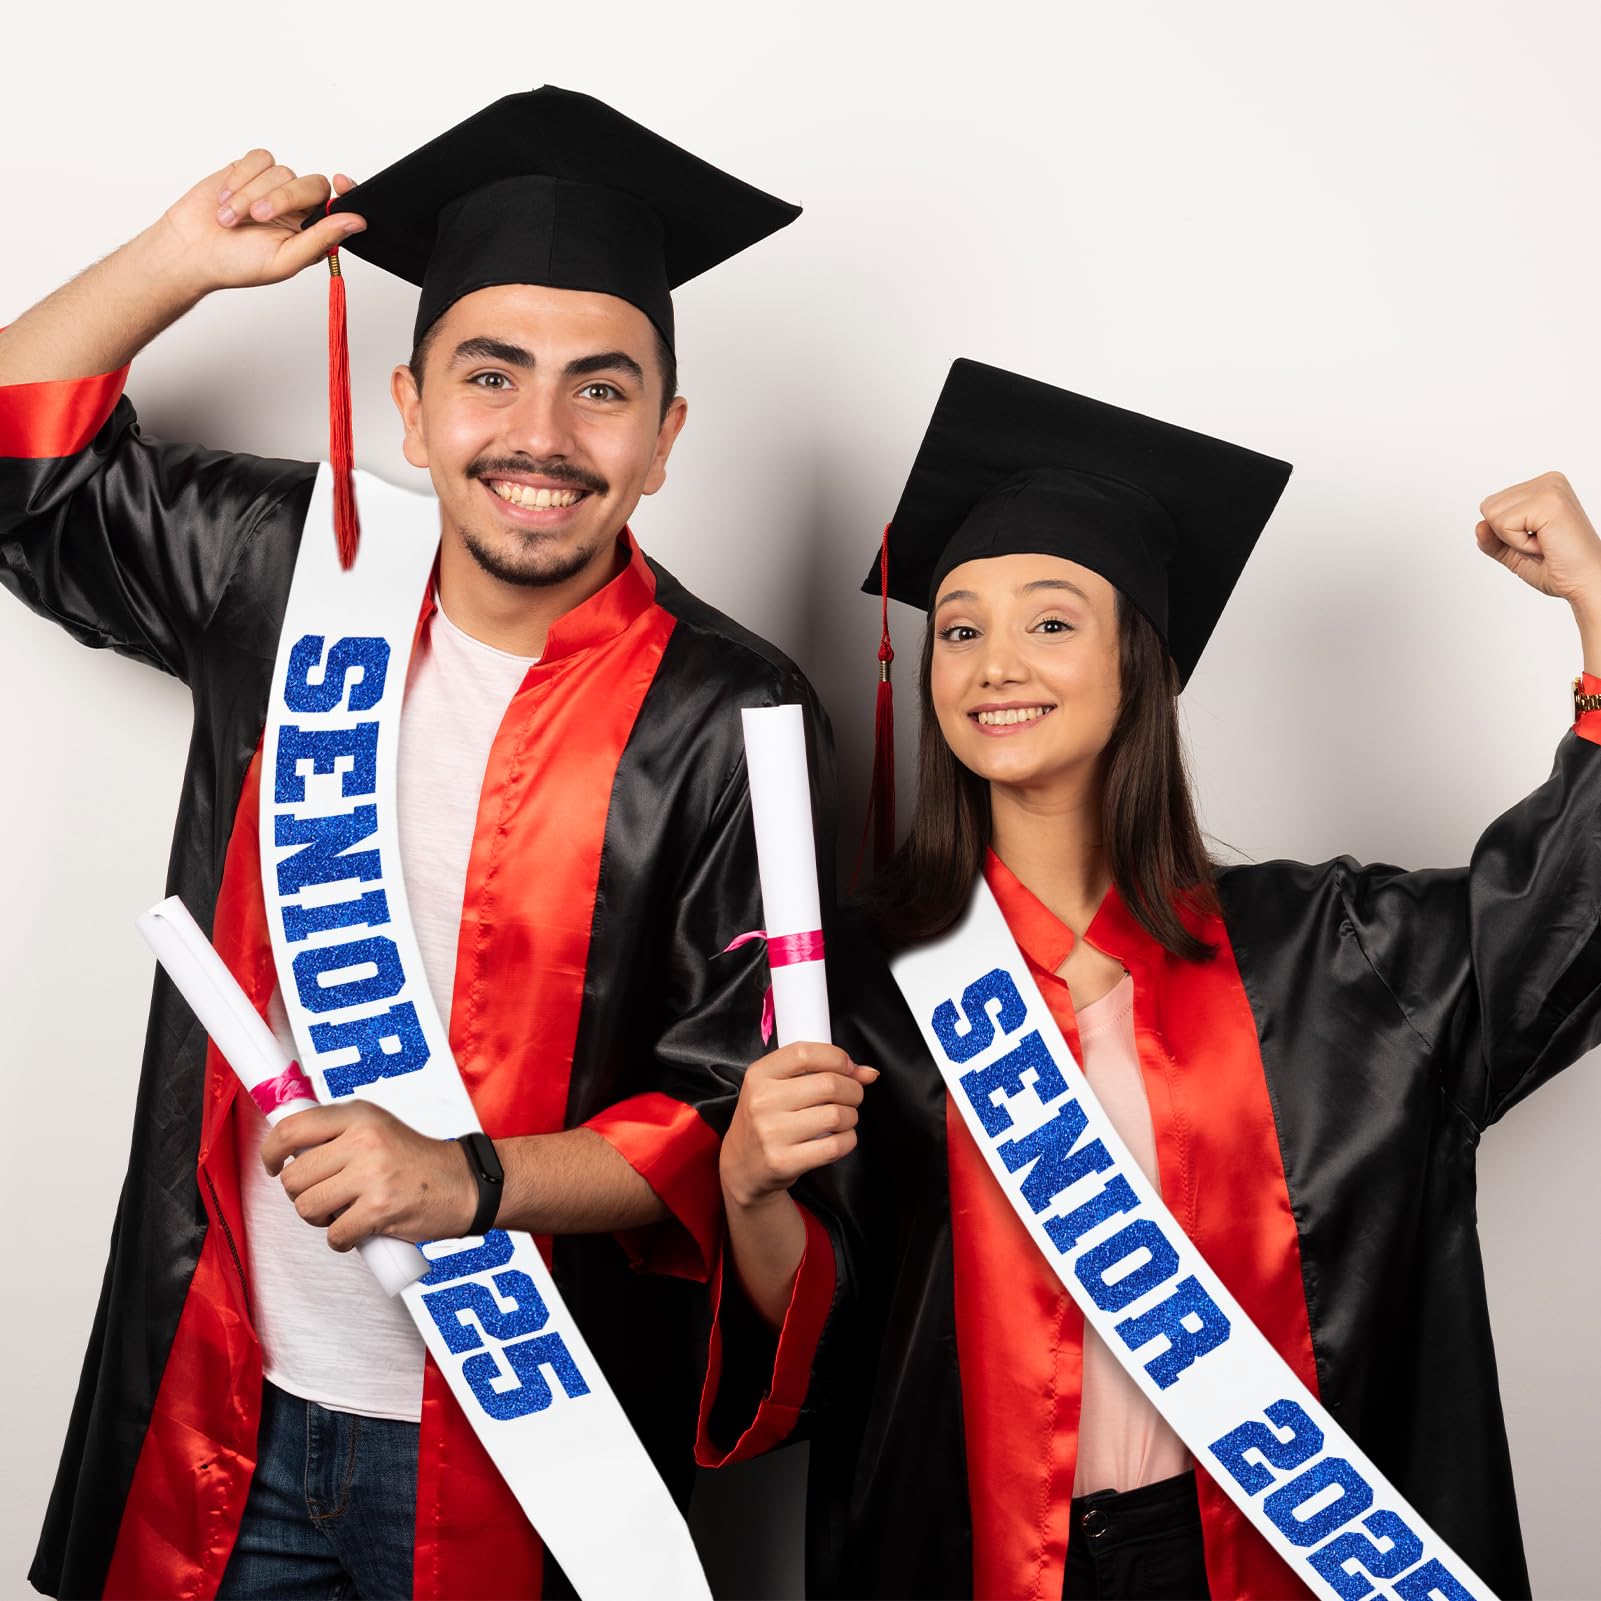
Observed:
{"x":358,"y":1002}
{"x":1145,"y":1288}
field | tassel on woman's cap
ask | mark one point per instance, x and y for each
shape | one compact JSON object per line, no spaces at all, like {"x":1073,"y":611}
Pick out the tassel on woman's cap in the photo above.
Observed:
{"x":880,"y":822}
{"x":341,"y":452}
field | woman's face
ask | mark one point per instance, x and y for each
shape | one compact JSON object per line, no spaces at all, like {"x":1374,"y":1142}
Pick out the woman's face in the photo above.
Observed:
{"x":1024,"y":670}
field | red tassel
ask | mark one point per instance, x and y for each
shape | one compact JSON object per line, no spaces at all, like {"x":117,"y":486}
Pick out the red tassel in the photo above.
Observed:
{"x":880,"y":821}
{"x":341,"y":452}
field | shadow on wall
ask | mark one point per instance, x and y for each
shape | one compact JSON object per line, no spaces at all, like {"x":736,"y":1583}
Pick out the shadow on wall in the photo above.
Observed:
{"x":749,"y":1525}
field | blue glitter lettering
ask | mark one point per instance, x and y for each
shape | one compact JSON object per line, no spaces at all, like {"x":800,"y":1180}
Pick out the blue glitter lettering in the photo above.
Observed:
{"x":368,"y":910}
{"x":1165,"y":1321}
{"x":309,"y":967}
{"x":326,"y":839}
{"x":1404,"y":1548}
{"x":1140,"y":1235}
{"x":324,"y":748}
{"x":1355,"y":1497}
{"x":1432,"y":1582}
{"x":532,"y":1394}
{"x":1115,"y":1197}
{"x":495,"y":1251}
{"x":1056,"y":1165}
{"x":370,"y":655}
{"x":962,"y":1045}
{"x":1301,"y":1441}
{"x":526,"y":1315}
{"x":370,"y":1038}
{"x":1005,"y":1075}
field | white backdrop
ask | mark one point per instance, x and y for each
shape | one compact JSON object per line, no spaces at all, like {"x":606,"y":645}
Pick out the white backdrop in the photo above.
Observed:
{"x":1363,"y":238}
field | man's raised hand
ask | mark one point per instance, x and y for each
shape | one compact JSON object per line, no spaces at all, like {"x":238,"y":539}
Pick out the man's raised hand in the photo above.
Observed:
{"x":240,"y":226}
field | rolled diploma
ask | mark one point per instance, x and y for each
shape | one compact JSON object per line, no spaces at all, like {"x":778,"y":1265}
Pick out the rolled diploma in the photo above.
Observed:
{"x":251,"y":1049}
{"x":781,"y":810}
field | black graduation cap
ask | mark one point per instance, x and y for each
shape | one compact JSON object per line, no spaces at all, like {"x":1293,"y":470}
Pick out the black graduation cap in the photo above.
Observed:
{"x":1012,"y":465}
{"x":552,"y":187}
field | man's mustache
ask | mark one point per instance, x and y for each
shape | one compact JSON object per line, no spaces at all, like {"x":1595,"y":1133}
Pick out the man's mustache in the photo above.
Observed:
{"x":562,"y":471}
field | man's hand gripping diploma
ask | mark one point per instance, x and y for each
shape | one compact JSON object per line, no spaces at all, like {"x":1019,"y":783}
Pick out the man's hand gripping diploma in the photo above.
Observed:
{"x":358,"y":1171}
{"x":272,"y":1080}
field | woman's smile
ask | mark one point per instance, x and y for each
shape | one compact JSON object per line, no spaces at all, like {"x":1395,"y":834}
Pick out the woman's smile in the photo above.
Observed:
{"x":1001,"y":719}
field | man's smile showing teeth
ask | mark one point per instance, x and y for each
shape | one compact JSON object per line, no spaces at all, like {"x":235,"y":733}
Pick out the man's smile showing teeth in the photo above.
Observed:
{"x":1012,"y":714}
{"x":535,"y":499}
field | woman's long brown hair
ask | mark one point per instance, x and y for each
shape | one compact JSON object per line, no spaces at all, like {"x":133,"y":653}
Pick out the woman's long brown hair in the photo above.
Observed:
{"x":1154,"y":846}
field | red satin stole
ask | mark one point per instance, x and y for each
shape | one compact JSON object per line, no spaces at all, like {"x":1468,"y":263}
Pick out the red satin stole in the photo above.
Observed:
{"x":1020,"y":1337}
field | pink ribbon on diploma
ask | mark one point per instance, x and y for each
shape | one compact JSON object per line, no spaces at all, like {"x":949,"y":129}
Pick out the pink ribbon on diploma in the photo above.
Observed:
{"x":783,"y":950}
{"x":290,"y":1085}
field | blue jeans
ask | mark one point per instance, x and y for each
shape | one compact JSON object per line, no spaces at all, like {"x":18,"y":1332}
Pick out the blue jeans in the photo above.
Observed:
{"x":331,"y":1508}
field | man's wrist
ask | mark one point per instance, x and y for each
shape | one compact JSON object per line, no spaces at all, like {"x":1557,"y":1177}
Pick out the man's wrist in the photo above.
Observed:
{"x":488,"y":1180}
{"x":166,"y":267}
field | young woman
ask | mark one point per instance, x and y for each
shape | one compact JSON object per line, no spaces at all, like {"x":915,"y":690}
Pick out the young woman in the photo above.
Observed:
{"x":1300,"y":1058}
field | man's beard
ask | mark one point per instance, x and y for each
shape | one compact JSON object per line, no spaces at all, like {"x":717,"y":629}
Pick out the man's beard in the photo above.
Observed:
{"x":537,"y":560}
{"x":539,"y":563}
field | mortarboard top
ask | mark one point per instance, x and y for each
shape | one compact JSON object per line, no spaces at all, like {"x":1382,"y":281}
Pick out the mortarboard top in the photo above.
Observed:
{"x":552,"y":187}
{"x":1011,"y":465}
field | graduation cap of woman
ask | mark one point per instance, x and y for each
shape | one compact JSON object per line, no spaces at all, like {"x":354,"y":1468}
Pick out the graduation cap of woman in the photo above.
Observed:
{"x":544,"y":187}
{"x":1012,"y":466}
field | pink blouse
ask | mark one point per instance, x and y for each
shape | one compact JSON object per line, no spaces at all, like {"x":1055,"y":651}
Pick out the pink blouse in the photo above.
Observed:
{"x":1122,"y":1440}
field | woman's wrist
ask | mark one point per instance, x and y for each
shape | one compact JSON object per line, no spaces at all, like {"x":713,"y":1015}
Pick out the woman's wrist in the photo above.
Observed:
{"x":1587,"y":616}
{"x":754,"y":1204}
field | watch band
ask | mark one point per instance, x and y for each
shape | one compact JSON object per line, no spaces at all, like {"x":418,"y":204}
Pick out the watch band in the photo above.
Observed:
{"x":484,"y":1165}
{"x":1583,"y":703}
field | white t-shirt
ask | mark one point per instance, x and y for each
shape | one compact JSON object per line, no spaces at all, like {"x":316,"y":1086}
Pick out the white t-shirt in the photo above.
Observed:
{"x":328,"y":1333}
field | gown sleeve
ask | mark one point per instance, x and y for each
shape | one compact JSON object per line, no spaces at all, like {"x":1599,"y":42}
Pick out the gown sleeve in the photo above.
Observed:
{"x":124,"y":540}
{"x":711,"y":1010}
{"x":1497,"y":966}
{"x":763,"y":1389}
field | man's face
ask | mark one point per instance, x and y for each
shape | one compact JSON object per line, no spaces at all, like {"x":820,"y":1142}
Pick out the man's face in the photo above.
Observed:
{"x":539,"y":419}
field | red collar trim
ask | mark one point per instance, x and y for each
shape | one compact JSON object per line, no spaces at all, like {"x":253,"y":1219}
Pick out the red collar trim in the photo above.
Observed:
{"x":1040,"y":934}
{"x":1114,"y":930}
{"x":608,"y":611}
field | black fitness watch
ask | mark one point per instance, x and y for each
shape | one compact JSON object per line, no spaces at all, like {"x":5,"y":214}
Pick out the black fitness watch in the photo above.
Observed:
{"x":487,"y":1174}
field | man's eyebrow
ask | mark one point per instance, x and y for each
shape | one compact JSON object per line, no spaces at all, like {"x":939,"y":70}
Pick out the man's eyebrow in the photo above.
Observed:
{"x":484,"y":348}
{"x":606,"y":361}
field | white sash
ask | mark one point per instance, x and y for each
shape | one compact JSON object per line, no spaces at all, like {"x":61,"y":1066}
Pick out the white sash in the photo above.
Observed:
{"x":353,"y":984}
{"x":1145,"y":1288}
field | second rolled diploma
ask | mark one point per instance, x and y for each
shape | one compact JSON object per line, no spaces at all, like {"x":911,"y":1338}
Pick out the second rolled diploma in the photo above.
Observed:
{"x":781,"y":812}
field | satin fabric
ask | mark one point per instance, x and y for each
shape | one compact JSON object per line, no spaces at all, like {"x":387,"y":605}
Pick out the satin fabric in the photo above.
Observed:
{"x":57,"y":417}
{"x":588,"y":959}
{"x":1318,"y":1090}
{"x":1020,"y":1337}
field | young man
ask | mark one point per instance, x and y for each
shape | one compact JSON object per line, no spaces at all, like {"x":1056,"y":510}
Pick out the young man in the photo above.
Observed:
{"x":573,"y":826}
